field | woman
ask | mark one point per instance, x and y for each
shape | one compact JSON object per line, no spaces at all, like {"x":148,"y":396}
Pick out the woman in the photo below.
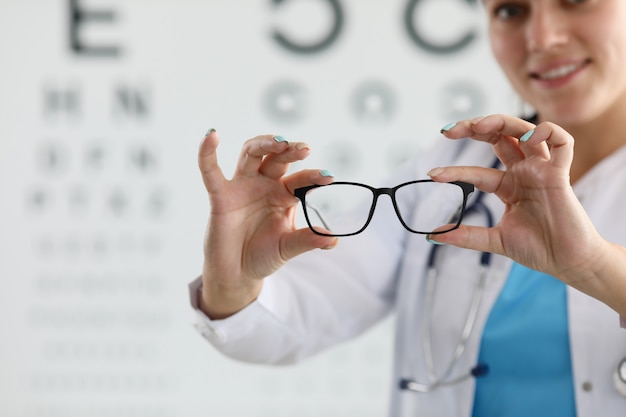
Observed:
{"x":539,"y":345}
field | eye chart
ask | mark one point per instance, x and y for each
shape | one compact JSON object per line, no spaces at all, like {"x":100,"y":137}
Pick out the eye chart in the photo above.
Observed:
{"x":102,"y":106}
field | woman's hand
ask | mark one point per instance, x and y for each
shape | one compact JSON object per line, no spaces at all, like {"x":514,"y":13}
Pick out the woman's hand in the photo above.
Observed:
{"x":544,"y":226}
{"x":251,"y":230}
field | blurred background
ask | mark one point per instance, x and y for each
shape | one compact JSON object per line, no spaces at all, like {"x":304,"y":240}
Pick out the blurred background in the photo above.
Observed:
{"x":102,"y":106}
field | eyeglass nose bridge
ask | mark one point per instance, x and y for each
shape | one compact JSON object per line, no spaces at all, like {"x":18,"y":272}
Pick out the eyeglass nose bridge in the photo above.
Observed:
{"x":389,"y":191}
{"x":383,"y":191}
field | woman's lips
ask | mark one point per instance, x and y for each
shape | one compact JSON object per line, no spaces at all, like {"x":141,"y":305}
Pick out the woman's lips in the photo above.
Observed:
{"x":556,"y":76}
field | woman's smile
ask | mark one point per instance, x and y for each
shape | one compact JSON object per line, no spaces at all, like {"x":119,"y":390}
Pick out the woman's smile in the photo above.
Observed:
{"x":556,"y":75}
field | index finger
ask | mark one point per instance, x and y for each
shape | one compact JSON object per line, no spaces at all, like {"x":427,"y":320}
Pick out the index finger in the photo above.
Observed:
{"x":491,"y":128}
{"x":501,"y":131}
{"x":255,"y":150}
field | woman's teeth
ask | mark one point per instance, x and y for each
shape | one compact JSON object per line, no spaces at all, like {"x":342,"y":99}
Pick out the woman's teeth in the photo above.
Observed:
{"x":558,"y":72}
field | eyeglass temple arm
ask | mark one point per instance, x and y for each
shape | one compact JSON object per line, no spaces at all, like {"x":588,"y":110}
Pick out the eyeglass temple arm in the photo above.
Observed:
{"x":319,"y":214}
{"x":455,"y":217}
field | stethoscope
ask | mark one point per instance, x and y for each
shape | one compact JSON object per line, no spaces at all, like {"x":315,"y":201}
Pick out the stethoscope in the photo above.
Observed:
{"x":481,"y":369}
{"x":445,"y":378}
{"x":619,"y":377}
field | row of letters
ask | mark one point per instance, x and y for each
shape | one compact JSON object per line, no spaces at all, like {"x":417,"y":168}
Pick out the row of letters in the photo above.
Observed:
{"x":81,"y":16}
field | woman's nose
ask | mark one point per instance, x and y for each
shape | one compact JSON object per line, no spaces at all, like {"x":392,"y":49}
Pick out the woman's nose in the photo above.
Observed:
{"x":546,"y":29}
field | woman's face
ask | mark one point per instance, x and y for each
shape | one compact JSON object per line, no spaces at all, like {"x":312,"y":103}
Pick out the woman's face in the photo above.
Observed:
{"x":567,"y":58}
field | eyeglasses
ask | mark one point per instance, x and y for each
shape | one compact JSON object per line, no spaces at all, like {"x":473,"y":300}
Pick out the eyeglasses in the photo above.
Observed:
{"x":322,"y":204}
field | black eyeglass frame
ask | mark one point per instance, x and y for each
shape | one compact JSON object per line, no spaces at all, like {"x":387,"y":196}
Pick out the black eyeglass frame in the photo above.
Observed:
{"x":467,"y":189}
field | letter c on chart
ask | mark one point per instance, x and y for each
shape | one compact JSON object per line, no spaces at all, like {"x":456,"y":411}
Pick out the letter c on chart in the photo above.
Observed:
{"x":315,"y":47}
{"x":418,"y":38}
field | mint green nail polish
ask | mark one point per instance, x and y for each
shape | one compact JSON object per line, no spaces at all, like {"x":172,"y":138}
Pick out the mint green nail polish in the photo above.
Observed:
{"x":448,"y":127}
{"x":326,"y":173}
{"x":527,"y":136}
{"x":430,"y":240}
{"x":280,"y":139}
{"x":208,"y":132}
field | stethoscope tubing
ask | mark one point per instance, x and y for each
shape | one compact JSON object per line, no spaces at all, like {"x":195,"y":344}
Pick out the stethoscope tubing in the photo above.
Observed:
{"x":470,"y":321}
{"x":477,"y":206}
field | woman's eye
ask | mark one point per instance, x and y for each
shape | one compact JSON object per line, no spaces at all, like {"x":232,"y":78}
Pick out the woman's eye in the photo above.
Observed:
{"x":507,"y":12}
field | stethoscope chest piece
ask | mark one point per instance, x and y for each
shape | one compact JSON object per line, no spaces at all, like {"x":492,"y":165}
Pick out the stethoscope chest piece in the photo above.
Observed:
{"x":619,"y":377}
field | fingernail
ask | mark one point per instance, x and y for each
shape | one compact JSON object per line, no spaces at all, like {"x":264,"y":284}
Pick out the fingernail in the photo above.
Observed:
{"x":527,"y":136}
{"x":331,"y":246}
{"x":434,"y":172}
{"x":301,"y":145}
{"x":280,"y":139}
{"x":430,"y":240}
{"x":208,"y":132}
{"x":326,"y":173}
{"x":447,"y":127}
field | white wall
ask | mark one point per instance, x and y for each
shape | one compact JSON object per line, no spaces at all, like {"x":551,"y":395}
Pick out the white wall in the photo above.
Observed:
{"x":102,"y":211}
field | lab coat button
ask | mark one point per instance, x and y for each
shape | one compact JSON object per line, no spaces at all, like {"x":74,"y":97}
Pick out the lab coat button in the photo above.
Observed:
{"x":210,"y":334}
{"x":587,"y":386}
{"x":204,"y":330}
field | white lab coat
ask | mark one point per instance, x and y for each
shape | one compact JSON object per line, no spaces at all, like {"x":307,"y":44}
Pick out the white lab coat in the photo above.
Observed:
{"x":325,"y":297}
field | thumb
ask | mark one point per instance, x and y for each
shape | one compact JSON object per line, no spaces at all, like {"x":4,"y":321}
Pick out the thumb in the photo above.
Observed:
{"x":304,"y":240}
{"x":212,"y":175}
{"x":469,"y":237}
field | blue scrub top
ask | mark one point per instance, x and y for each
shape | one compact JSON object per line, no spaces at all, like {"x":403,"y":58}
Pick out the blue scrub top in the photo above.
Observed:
{"x":525,"y":344}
